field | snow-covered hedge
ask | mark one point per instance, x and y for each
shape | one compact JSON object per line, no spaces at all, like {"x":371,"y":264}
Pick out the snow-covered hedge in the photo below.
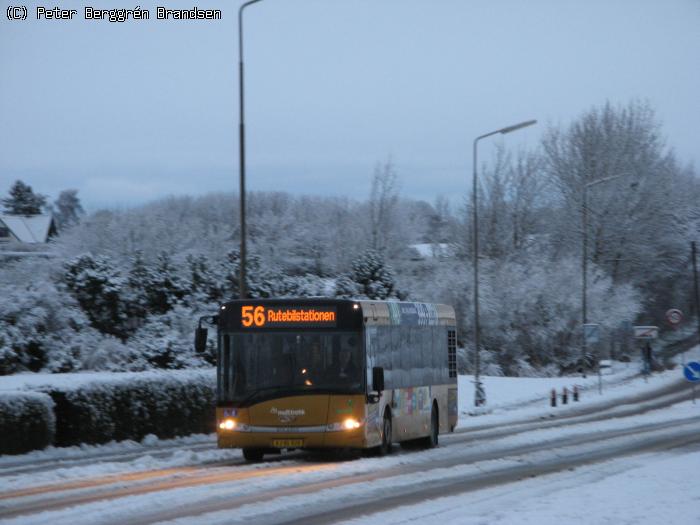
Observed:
{"x":27,"y":422}
{"x":131,"y":406}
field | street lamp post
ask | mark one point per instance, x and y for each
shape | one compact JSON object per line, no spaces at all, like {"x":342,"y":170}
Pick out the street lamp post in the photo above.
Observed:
{"x":584,"y":268}
{"x":241,"y":150}
{"x":479,"y":394}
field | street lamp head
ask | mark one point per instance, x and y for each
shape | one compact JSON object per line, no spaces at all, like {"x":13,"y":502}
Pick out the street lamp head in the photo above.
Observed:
{"x":516,"y":127}
{"x":246,"y":4}
{"x":479,"y":396}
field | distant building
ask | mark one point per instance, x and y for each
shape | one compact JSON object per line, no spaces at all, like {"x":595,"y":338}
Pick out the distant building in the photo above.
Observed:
{"x":27,"y":229}
{"x":432,"y":251}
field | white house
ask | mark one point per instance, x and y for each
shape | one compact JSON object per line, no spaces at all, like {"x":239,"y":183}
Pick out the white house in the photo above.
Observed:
{"x":432,"y":251}
{"x":27,"y":229}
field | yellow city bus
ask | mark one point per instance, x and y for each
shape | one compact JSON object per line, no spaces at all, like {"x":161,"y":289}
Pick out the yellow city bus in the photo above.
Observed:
{"x":333,"y":373}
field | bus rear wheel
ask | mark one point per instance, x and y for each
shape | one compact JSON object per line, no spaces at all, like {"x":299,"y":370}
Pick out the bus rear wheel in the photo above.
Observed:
{"x":253,"y":454}
{"x":432,"y":440}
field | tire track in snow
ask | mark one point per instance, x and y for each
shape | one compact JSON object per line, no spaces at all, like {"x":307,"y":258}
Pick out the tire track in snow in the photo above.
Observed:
{"x":61,"y":495}
{"x":204,"y":477}
{"x":351,"y":505}
{"x":30,"y":464}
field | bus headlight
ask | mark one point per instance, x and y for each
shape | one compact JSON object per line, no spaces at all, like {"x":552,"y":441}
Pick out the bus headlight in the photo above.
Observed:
{"x":348,"y":424}
{"x":231,"y":424}
{"x":351,"y":424}
{"x":227,"y":424}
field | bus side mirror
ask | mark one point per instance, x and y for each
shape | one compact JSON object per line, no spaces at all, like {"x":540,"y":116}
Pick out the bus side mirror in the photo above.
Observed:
{"x":378,"y":379}
{"x":200,"y":334}
{"x":200,"y":340}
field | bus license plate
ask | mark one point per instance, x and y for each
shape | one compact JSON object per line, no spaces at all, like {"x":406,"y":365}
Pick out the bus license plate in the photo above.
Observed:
{"x":287,"y":443}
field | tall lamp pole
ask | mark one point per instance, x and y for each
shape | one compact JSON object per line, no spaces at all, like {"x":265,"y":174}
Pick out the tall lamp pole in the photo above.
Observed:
{"x":584,"y":266}
{"x":479,"y":394}
{"x":696,"y":294}
{"x":241,"y":149}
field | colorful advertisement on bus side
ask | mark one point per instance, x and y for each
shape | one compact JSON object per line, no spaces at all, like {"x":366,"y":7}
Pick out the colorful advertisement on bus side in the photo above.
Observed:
{"x":417,"y":314}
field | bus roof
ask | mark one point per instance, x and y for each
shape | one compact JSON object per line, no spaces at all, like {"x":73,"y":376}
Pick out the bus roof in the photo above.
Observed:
{"x":401,"y":312}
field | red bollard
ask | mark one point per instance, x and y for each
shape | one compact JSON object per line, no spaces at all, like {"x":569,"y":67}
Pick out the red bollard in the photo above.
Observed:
{"x":565,"y":396}
{"x":553,"y":397}
{"x":575,"y":392}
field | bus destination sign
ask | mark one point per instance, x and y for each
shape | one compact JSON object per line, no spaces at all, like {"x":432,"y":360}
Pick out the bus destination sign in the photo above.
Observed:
{"x":285,"y":316}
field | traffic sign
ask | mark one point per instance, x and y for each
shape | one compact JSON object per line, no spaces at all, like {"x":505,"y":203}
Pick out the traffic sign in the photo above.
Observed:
{"x":691,"y":371}
{"x":674,"y":316}
{"x":591,"y":333}
{"x":646,"y":332}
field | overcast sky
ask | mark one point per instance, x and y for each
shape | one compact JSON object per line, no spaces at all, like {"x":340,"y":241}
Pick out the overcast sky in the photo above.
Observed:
{"x":128,"y":112}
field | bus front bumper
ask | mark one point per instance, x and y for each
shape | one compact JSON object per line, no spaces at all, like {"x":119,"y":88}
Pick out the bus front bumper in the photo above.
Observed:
{"x":354,"y":438}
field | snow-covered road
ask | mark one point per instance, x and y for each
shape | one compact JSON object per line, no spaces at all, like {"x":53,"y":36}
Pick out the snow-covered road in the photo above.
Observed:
{"x":190,"y":481}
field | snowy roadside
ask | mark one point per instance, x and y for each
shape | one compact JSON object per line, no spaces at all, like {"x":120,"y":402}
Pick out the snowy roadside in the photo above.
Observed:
{"x":450,"y":461}
{"x":640,"y":490}
{"x":517,"y":398}
{"x":190,"y":452}
{"x":30,"y":381}
{"x":509,"y":398}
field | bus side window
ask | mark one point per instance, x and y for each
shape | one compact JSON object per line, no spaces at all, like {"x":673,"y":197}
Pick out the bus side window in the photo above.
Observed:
{"x":438,"y":354}
{"x":228,"y":372}
{"x":400,"y":341}
{"x":435,"y":355}
{"x":220,"y":369}
{"x":391,"y":344}
{"x":370,"y":359}
{"x":427,"y":355}
{"x":415,"y":354}
{"x":381,"y":355}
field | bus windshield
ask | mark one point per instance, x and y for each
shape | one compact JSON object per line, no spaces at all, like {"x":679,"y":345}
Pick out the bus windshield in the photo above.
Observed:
{"x":274,"y":363}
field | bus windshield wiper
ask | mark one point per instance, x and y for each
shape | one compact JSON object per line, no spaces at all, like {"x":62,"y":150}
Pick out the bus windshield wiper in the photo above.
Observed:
{"x":252,"y":395}
{"x":281,"y":391}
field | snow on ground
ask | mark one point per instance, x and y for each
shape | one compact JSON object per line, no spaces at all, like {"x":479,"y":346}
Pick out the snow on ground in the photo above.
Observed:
{"x":508,"y":398}
{"x":514,"y":398}
{"x":191,"y":456}
{"x":32,"y":381}
{"x":147,"y":455}
{"x":121,"y":447}
{"x":645,"y":489}
{"x":550,"y":495}
{"x":247,"y":513}
{"x":640,"y":489}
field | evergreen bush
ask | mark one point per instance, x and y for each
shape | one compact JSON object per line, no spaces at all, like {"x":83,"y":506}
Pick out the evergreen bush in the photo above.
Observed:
{"x":160,"y":403}
{"x":27,"y":422}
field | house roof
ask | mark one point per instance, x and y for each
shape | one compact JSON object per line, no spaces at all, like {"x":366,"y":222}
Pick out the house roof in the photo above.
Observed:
{"x":29,"y":229}
{"x":433,"y":250}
